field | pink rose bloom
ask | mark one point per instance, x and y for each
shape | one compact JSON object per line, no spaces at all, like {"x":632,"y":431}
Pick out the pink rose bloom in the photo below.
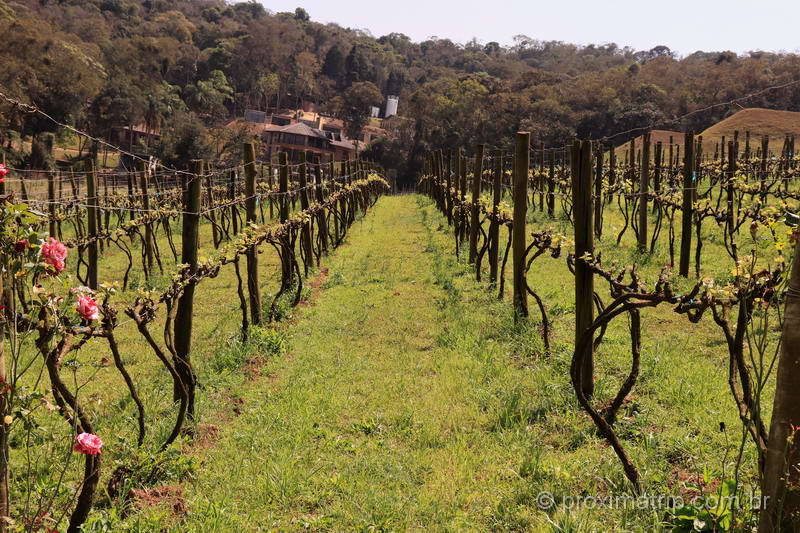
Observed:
{"x":87,"y":308}
{"x":54,"y":254}
{"x":3,"y":172}
{"x":88,"y":444}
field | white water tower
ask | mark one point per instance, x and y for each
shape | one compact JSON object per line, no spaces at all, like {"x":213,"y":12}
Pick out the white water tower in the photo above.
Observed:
{"x":391,"y":106}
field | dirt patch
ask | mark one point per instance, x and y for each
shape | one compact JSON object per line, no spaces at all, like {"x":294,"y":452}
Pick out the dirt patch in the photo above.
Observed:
{"x":207,"y":434}
{"x":253,"y":366}
{"x":321,"y":278}
{"x":167,"y":495}
{"x":690,"y":485}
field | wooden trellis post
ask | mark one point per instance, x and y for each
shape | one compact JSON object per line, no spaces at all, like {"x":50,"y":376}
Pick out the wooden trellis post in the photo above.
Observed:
{"x":91,"y":211}
{"x":462,"y":195}
{"x":687,"y":208}
{"x":192,"y":184}
{"x":551,"y":186}
{"x":320,"y":198}
{"x":253,"y":286}
{"x":306,"y":230}
{"x":644,"y":190}
{"x":780,"y":495}
{"x":51,"y":203}
{"x":584,"y":246}
{"x":764,"y":157}
{"x":283,"y":186}
{"x":519,"y":236}
{"x":148,"y":227}
{"x":598,"y":192}
{"x":494,"y":225}
{"x":477,"y":174}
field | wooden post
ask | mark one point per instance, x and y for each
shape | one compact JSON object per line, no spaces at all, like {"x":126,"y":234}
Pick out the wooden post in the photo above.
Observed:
{"x":305,"y":234}
{"x":779,"y":491}
{"x":334,"y":187}
{"x":764,"y":156}
{"x":584,"y":244}
{"x":131,"y":177}
{"x":232,"y":196}
{"x":322,"y":221}
{"x":519,"y":236}
{"x":494,"y":225}
{"x":51,"y":204}
{"x":687,"y":207}
{"x":91,"y":211}
{"x":283,"y":186}
{"x":730,"y":228}
{"x":598,"y":192}
{"x":192,"y":185}
{"x":253,"y":287}
{"x":551,"y":186}
{"x":216,"y":238}
{"x":462,"y":190}
{"x":540,"y":181}
{"x":477,"y":174}
{"x":612,"y":168}
{"x":658,"y":163}
{"x":448,"y":176}
{"x":644,"y":190}
{"x":148,"y":228}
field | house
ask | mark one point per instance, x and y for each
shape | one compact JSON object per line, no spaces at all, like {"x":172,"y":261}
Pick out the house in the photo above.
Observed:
{"x":305,"y":130}
{"x":299,"y":137}
{"x":132,"y":136}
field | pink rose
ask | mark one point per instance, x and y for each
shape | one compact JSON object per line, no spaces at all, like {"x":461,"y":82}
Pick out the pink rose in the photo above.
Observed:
{"x":87,"y":308}
{"x":21,"y":245}
{"x":88,"y":444}
{"x":54,"y":254}
{"x":3,"y":172}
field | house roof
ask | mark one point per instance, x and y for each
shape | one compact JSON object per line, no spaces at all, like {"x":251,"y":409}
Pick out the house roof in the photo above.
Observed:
{"x":344,"y":144}
{"x":303,"y":129}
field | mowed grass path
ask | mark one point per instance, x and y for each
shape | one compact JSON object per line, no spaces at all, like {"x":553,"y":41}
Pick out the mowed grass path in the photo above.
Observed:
{"x":408,"y":400}
{"x":366,"y":422}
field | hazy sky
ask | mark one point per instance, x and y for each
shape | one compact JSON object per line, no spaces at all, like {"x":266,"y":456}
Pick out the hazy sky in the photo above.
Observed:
{"x":685,"y":26}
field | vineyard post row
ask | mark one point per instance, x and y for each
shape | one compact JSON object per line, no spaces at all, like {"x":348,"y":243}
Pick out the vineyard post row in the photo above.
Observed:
{"x":586,"y":205}
{"x":298,"y":237}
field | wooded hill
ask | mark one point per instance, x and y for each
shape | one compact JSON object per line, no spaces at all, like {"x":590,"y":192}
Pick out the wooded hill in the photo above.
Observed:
{"x":183,"y":66}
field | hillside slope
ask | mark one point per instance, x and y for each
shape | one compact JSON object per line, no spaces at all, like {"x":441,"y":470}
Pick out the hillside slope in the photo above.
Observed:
{"x":776,"y":124}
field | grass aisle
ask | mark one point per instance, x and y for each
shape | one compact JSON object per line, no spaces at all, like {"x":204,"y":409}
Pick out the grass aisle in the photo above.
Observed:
{"x":408,"y":401}
{"x":367,"y":421}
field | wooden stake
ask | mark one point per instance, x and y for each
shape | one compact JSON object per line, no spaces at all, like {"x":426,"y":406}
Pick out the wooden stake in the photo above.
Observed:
{"x":477,"y":174}
{"x":644,"y":189}
{"x":91,"y":211}
{"x":253,"y":286}
{"x":687,"y":207}
{"x":584,"y":245}
{"x":494,"y":225}
{"x":519,"y":236}
{"x":192,"y":185}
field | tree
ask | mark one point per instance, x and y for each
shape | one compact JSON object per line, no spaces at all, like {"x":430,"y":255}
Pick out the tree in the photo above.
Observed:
{"x":211,"y":95}
{"x":306,"y":68}
{"x":267,"y":86}
{"x":301,"y":15}
{"x":333,"y":67}
{"x":354,"y":107}
{"x":186,"y":140}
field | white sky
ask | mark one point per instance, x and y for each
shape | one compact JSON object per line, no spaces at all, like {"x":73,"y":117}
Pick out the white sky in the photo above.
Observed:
{"x":685,"y":26}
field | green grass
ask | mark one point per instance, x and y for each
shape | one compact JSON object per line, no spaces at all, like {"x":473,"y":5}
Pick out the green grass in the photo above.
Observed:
{"x":404,"y":397}
{"x":407,"y":400}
